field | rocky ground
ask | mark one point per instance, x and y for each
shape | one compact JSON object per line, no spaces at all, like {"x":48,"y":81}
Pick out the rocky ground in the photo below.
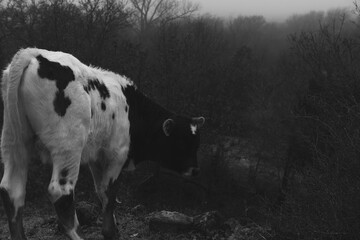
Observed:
{"x":134,"y":214}
{"x":133,"y":223}
{"x":218,"y":212}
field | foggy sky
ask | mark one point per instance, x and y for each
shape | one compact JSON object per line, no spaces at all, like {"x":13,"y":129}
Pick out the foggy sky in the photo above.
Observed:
{"x":272,"y":10}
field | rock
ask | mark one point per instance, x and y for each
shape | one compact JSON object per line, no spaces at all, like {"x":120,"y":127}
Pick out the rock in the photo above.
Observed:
{"x":207,"y":221}
{"x":251,"y":231}
{"x":232,"y":223}
{"x":166,"y":221}
{"x":138,"y":209}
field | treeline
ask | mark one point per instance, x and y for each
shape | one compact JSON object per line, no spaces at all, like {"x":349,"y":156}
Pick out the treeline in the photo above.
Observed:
{"x":189,"y":63}
{"x":291,"y":88}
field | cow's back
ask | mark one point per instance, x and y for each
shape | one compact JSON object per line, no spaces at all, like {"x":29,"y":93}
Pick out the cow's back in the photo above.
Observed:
{"x":62,"y":97}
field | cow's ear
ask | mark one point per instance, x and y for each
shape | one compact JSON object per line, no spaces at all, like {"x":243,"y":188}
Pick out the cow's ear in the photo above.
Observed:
{"x":199,"y":121}
{"x":168,"y":126}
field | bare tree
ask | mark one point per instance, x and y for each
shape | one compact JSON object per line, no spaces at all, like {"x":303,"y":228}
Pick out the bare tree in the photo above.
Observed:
{"x":103,"y":19}
{"x":2,"y":20}
{"x":151,"y":12}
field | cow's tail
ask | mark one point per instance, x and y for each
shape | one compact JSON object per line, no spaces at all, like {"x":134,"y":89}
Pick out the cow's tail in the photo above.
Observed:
{"x":15,"y":123}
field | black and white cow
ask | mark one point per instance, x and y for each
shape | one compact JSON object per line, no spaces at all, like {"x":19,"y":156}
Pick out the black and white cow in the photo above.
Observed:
{"x":81,"y":114}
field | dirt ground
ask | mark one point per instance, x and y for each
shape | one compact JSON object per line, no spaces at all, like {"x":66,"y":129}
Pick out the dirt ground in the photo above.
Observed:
{"x":132,"y":213}
{"x":139,"y":196}
{"x":40,"y":224}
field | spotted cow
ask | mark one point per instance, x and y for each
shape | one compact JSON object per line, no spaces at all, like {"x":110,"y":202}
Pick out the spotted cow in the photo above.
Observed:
{"x":71,"y":114}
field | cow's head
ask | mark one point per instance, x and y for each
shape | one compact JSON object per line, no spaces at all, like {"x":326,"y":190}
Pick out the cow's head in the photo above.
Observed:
{"x":183,"y":140}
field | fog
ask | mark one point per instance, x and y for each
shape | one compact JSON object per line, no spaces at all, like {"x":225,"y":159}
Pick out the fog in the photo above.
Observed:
{"x":272,"y":10}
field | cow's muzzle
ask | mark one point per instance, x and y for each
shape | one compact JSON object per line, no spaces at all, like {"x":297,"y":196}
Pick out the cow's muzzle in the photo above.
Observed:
{"x":191,"y":172}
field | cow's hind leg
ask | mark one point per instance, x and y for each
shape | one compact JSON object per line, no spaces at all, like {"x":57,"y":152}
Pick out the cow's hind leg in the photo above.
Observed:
{"x":12,"y":187}
{"x":62,"y":189}
{"x":106,"y":171}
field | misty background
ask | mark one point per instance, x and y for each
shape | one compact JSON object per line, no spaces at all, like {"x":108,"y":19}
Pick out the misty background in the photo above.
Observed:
{"x":277,"y":81}
{"x":271,"y":10}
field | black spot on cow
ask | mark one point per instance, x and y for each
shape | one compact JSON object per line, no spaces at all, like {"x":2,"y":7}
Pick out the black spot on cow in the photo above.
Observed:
{"x":62,"y":75}
{"x":86,"y":89}
{"x":65,"y":210}
{"x":64,"y":172}
{"x":103,"y":106}
{"x":61,"y":103}
{"x":126,"y":108}
{"x":95,"y":84}
{"x":64,"y":201}
{"x":113,"y":116}
{"x":62,"y":181}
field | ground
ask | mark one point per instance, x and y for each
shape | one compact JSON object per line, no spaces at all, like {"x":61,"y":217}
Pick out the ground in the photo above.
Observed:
{"x":141,"y":193}
{"x":131,"y":213}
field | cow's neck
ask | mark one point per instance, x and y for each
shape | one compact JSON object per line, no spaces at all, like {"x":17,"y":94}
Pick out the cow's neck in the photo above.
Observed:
{"x":146,"y":120}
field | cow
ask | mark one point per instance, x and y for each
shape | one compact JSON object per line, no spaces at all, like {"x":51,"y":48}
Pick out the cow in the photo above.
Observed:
{"x":73,"y":114}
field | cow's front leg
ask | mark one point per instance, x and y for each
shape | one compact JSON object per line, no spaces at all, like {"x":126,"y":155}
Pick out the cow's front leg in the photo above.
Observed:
{"x":62,"y":190}
{"x":106,"y":172}
{"x":12,"y":189}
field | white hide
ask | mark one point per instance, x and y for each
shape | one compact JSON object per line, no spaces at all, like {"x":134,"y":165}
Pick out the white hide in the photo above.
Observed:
{"x":65,"y":139}
{"x":193,"y":129}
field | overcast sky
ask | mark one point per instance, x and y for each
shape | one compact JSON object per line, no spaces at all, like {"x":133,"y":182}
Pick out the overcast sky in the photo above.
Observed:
{"x":272,"y":10}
